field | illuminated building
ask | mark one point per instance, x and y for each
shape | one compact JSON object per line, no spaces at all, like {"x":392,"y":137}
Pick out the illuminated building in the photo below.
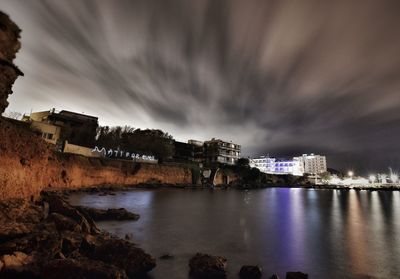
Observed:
{"x":310,"y":164}
{"x":293,"y":166}
{"x":314,"y":164}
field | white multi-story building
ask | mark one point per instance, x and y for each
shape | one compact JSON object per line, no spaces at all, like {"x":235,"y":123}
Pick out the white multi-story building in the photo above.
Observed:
{"x":293,"y":166}
{"x":310,"y":164}
{"x":314,"y":164}
{"x":264,"y":163}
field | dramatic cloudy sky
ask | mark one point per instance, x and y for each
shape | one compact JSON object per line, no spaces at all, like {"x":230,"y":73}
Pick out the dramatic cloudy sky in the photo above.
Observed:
{"x":279,"y":77}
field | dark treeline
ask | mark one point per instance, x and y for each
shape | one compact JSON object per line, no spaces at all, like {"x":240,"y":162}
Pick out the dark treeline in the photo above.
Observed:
{"x":147,"y":142}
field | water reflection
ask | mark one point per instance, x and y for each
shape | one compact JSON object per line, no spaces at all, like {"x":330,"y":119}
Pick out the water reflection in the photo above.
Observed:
{"x":327,"y":233}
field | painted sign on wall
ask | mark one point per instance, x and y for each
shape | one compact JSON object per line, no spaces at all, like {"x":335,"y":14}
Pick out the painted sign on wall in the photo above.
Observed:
{"x":120,"y":154}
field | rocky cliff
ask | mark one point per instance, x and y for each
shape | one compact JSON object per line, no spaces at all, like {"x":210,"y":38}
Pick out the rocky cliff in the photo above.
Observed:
{"x":28,"y":165}
{"x":9,"y":45}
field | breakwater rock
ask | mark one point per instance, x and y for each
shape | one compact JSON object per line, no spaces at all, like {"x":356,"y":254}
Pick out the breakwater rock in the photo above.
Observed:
{"x":208,"y":266}
{"x":118,"y":214}
{"x":52,"y":239}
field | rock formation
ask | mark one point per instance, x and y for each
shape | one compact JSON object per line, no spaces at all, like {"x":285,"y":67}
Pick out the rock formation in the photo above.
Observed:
{"x":208,"y":266}
{"x":52,"y":239}
{"x":118,"y":214}
{"x":9,"y":45}
{"x":250,"y":272}
{"x":296,"y":275}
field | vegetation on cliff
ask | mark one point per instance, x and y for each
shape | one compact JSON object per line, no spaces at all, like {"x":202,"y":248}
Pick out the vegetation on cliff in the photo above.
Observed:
{"x":149,"y":142}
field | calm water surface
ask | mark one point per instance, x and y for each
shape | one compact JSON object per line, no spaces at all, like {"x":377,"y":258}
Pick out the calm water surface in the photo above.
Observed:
{"x":326,"y":233}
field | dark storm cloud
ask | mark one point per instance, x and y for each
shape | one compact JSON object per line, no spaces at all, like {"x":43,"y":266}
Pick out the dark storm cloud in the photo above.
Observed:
{"x":279,"y":77}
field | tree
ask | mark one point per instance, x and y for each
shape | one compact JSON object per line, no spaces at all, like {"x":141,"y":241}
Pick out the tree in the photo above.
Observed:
{"x":144,"y":142}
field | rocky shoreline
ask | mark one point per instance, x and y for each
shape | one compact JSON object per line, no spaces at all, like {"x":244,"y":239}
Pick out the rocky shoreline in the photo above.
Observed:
{"x":103,"y":190}
{"x":50,"y":238}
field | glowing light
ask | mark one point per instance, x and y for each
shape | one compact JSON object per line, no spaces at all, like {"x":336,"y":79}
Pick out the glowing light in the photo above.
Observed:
{"x":350,"y":173}
{"x":394,"y":178}
{"x":372,"y":178}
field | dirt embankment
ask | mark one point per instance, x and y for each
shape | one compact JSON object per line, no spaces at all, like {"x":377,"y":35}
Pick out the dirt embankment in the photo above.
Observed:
{"x":28,"y":165}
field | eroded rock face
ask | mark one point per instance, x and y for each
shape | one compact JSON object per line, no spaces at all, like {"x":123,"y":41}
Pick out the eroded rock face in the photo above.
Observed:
{"x":207,"y":266}
{"x":63,"y":243}
{"x":59,"y":206}
{"x":9,"y":45}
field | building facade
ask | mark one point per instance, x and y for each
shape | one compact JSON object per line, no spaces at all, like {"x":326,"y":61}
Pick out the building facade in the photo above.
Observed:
{"x":218,"y":151}
{"x":314,"y":164}
{"x":183,"y":152}
{"x":298,"y":166}
{"x":198,"y":150}
{"x":293,"y":166}
{"x":58,"y":127}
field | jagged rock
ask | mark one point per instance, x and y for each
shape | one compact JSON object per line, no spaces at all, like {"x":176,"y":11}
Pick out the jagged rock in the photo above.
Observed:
{"x":70,"y":242}
{"x":20,"y":211}
{"x":88,"y":244}
{"x":296,"y":275}
{"x":128,"y":236}
{"x":45,"y":210}
{"x":18,"y":261}
{"x":59,"y":256}
{"x":81,"y":268}
{"x":63,"y":223}
{"x":9,"y":45}
{"x":250,"y":272}
{"x":166,"y":256}
{"x":57,"y":244}
{"x":120,"y":253}
{"x":108,"y":214}
{"x":14,"y":230}
{"x":207,"y":266}
{"x":58,"y":205}
{"x":274,"y":276}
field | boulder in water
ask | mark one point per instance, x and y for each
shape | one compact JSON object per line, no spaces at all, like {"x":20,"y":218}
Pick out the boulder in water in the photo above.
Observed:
{"x":108,"y":214}
{"x":250,"y":272}
{"x":207,"y":266}
{"x":296,"y":275}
